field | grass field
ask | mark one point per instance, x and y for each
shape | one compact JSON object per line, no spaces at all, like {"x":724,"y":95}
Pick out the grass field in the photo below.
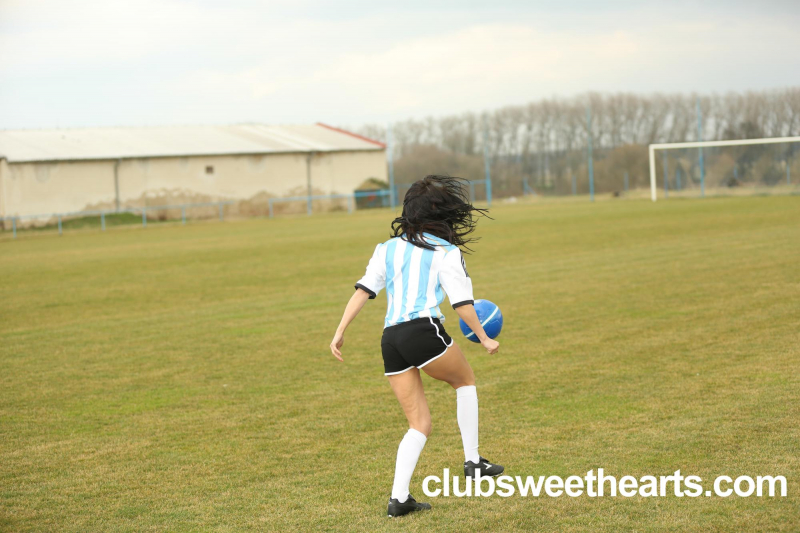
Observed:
{"x":179,"y":378}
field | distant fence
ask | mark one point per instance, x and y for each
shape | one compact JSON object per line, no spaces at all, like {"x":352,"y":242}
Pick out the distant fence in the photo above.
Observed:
{"x":60,"y":218}
{"x":351,"y":199}
{"x":383,"y":194}
{"x":109,"y":212}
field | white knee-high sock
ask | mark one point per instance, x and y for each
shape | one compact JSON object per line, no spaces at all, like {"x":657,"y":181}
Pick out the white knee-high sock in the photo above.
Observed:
{"x":467,"y":414}
{"x":407,"y":456}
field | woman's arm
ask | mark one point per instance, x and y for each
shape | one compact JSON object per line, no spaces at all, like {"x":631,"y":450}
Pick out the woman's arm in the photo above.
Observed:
{"x":355,"y":304}
{"x":468,"y":315}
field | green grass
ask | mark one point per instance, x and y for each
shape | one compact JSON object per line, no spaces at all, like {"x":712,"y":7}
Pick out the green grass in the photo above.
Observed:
{"x":178,"y":378}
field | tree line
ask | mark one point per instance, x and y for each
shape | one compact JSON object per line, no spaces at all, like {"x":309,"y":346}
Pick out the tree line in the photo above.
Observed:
{"x":543,"y":145}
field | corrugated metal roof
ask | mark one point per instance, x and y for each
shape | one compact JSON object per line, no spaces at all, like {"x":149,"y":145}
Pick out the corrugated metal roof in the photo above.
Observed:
{"x":175,"y":141}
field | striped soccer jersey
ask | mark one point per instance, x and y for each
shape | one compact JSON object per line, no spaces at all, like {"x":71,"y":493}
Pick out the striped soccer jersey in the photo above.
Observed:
{"x":414,"y":278}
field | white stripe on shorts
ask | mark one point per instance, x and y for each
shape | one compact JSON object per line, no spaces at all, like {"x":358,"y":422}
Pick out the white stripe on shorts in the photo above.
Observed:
{"x":438,"y":356}
{"x":400,"y":372}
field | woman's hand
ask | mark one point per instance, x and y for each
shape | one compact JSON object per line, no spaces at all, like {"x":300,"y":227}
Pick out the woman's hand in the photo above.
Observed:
{"x":355,"y":304}
{"x":468,"y":315}
{"x":491,"y":345}
{"x":336,"y":345}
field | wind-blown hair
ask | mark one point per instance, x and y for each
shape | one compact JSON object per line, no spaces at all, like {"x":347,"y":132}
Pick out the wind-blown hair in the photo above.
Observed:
{"x":438,"y":205}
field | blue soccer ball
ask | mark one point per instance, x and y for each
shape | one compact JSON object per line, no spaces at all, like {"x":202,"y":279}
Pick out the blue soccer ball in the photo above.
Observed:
{"x":491,"y":319}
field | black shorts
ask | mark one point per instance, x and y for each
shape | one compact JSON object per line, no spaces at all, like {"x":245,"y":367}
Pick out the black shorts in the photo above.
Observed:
{"x":413,"y":344}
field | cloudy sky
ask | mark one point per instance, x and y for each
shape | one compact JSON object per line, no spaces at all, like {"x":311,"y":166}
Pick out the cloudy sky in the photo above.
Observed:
{"x":75,"y":63}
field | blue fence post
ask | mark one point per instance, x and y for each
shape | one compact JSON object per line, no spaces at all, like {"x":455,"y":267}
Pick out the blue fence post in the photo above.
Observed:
{"x":102,"y":220}
{"x":14,"y":226}
{"x":183,"y":214}
{"x":60,"y":232}
{"x":527,"y":188}
{"x":220,"y":211}
{"x":310,"y":191}
{"x":700,"y":150}
{"x":591,"y":161}
{"x":666,"y":174}
{"x":144,"y":217}
{"x":487,"y":164}
{"x":626,"y":182}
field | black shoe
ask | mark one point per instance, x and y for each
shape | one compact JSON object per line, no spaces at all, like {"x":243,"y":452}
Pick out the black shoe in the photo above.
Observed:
{"x":483,"y":466}
{"x":409,"y":506}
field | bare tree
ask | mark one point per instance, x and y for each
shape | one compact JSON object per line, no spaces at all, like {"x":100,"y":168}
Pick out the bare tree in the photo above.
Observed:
{"x":544,"y":143}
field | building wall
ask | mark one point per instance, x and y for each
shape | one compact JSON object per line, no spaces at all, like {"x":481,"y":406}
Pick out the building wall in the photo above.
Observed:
{"x":342,"y":172}
{"x":3,"y":172}
{"x":42,"y":188}
{"x":233,"y":177}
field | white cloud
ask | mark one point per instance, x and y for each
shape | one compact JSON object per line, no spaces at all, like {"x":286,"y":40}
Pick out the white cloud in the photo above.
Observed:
{"x":490,"y":65}
{"x":160,"y":62}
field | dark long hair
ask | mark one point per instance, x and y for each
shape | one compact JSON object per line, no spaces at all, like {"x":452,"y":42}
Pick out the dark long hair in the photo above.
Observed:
{"x":438,"y":205}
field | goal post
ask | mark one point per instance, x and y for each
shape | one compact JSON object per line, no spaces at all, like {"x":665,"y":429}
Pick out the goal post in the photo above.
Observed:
{"x":704,"y":144}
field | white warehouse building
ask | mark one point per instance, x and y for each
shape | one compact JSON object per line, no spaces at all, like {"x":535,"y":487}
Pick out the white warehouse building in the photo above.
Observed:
{"x":64,"y":171}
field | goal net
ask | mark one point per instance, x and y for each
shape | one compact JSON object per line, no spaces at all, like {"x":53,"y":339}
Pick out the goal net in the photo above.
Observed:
{"x":746,"y":166}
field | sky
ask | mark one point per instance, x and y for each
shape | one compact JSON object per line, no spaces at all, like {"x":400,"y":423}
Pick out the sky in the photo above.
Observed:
{"x":84,"y":63}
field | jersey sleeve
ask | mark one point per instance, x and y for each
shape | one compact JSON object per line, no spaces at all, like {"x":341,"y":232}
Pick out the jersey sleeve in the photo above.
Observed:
{"x":375,"y":277}
{"x":455,"y":280}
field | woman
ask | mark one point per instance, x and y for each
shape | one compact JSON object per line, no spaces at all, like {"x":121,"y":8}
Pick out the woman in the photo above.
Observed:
{"x":422,"y":258}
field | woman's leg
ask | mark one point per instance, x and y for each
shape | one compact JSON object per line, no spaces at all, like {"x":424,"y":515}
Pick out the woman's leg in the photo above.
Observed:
{"x":453,"y":368}
{"x":408,"y":389}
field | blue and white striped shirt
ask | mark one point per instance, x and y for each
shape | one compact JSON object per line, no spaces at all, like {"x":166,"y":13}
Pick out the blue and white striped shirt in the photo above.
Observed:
{"x":414,"y":278}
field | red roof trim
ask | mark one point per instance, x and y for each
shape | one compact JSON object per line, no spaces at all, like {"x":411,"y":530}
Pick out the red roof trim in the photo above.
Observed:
{"x":356,"y":135}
